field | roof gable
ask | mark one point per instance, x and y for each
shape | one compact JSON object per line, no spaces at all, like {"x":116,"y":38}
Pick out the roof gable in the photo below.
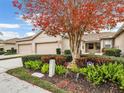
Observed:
{"x":121,"y":30}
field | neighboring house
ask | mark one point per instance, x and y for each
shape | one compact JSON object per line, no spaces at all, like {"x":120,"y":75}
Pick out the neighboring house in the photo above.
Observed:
{"x":91,"y":43}
{"x":94,"y":43}
{"x":44,"y":44}
{"x":119,"y":39}
{"x":39,"y":44}
{"x":8,"y":44}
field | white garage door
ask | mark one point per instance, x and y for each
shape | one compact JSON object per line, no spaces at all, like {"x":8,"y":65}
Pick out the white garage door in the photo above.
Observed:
{"x":49,"y":48}
{"x":25,"y":49}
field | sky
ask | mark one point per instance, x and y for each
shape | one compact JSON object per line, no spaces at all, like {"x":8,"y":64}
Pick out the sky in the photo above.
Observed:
{"x":12,"y":26}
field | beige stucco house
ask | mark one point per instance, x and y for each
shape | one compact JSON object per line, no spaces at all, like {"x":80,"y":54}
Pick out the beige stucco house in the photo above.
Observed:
{"x":39,"y":44}
{"x":8,"y":44}
{"x":119,"y":39}
{"x":91,"y":43}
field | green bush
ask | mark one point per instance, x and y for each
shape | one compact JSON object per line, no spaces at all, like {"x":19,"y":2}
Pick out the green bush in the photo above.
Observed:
{"x":74,"y":68}
{"x":105,"y":73}
{"x":67,"y":52}
{"x":68,"y":58}
{"x":34,"y":65}
{"x":112,"y":52}
{"x":11,"y":51}
{"x":60,"y":70}
{"x":58,"y":51}
{"x":31,"y":58}
{"x":45,"y":68}
{"x":2,"y":52}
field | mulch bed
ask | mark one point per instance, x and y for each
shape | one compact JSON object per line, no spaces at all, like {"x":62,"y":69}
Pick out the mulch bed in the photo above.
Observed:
{"x":82,"y":85}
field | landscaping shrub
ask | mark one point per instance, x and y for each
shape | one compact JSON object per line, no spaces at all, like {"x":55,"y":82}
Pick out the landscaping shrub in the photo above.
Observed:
{"x":34,"y":65}
{"x":74,"y":68}
{"x":45,"y":68}
{"x":67,"y":52}
{"x":68,"y":58}
{"x":2,"y":52}
{"x":58,"y":51}
{"x":60,"y":59}
{"x":82,"y":62}
{"x":112,"y":52}
{"x":11,"y":51}
{"x":105,"y":73}
{"x":60,"y":70}
{"x":31,"y":58}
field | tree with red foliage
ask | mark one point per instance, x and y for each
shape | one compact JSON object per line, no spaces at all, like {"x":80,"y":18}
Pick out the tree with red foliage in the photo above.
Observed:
{"x":72,"y":17}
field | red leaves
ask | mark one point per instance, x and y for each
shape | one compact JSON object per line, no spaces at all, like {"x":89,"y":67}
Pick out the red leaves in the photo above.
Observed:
{"x":42,"y":0}
{"x":67,"y":16}
{"x":17,"y":4}
{"x":29,"y":5}
{"x":120,"y":10}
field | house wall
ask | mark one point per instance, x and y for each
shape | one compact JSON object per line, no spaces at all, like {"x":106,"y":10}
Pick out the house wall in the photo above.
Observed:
{"x":65,"y":45}
{"x":105,"y":42}
{"x":119,"y":42}
{"x":42,"y":41}
{"x":45,"y":38}
{"x":9,"y":46}
{"x":1,"y":45}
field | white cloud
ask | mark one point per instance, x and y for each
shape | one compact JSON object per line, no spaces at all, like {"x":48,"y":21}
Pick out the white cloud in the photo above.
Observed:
{"x":9,"y":35}
{"x":115,"y":29}
{"x":20,"y":17}
{"x":9,"y":26}
{"x":30,"y":33}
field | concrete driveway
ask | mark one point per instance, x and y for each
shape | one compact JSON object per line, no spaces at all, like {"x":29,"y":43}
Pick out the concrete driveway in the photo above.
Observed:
{"x":7,"y":64}
{"x":11,"y":84}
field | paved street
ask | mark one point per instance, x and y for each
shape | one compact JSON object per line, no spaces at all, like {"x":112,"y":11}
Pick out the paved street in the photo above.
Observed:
{"x":11,"y":84}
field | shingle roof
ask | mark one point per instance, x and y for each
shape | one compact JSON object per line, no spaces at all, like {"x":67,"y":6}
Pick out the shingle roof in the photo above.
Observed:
{"x":119,"y":31}
{"x":86,"y":37}
{"x":9,"y":41}
{"x":30,"y":37}
{"x":98,"y":36}
{"x":25,"y":38}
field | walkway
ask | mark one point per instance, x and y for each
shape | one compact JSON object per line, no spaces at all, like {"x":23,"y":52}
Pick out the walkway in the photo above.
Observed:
{"x":11,"y":84}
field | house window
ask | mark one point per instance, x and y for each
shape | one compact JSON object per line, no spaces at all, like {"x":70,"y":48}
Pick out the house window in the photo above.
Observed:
{"x":107,"y":46}
{"x":97,"y":46}
{"x":90,"y":46}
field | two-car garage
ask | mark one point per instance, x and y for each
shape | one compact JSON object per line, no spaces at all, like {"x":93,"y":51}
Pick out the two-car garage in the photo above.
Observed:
{"x":40,"y":48}
{"x":38,"y":44}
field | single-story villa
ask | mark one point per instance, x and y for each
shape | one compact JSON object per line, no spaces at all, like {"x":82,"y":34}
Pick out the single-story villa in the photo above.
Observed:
{"x":8,"y":44}
{"x":91,"y":43}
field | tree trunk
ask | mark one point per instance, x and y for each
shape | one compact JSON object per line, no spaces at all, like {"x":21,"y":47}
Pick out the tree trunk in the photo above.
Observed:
{"x":75,"y":45}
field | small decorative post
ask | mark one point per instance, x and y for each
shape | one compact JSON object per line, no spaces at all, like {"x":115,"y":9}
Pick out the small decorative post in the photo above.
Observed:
{"x":52,"y":68}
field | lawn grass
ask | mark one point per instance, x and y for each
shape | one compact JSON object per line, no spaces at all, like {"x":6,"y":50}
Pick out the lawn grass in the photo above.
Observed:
{"x":23,"y":74}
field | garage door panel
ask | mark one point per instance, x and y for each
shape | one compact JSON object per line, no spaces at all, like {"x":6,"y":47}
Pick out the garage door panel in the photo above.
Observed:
{"x":25,"y":49}
{"x":49,"y":48}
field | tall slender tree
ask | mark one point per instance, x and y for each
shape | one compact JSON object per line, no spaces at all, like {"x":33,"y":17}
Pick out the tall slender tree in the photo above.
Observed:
{"x":72,"y":17}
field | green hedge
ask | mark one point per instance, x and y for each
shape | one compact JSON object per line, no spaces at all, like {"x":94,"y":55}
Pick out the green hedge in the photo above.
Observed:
{"x":60,"y":59}
{"x":67,"y":52}
{"x":63,"y":59}
{"x":112,"y":52}
{"x":11,"y":51}
{"x":2,"y":52}
{"x":58,"y":51}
